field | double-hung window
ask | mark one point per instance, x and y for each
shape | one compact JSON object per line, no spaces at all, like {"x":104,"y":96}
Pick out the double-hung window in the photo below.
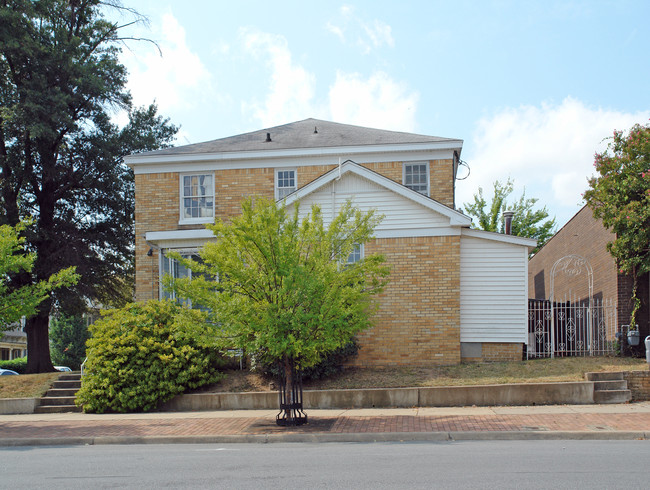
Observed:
{"x":285,"y":182}
{"x":197,"y":198}
{"x":175,"y":269}
{"x":416,"y":177}
{"x":356,"y":255}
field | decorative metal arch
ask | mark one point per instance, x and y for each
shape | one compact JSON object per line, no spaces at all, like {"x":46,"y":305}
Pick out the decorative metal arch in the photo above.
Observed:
{"x":573,"y":266}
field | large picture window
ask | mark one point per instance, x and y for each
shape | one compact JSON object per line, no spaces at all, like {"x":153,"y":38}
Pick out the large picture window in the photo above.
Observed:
{"x":416,"y":177}
{"x":197,"y":198}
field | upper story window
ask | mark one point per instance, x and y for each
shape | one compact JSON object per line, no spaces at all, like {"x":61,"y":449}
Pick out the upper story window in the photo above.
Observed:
{"x":416,"y":177}
{"x":285,"y":182}
{"x":197,"y":198}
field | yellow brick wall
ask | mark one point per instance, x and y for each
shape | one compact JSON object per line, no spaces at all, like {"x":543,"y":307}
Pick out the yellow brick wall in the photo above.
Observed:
{"x":418,"y":320}
{"x":498,"y":352}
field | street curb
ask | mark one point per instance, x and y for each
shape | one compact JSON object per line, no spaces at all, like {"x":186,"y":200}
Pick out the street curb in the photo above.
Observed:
{"x":327,"y":437}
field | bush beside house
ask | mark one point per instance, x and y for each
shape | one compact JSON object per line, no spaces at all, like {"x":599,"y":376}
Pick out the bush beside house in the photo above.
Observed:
{"x":145,"y":354}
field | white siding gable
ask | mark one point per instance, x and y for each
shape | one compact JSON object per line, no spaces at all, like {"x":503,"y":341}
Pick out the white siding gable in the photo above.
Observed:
{"x":493,"y":291}
{"x":402,"y":216}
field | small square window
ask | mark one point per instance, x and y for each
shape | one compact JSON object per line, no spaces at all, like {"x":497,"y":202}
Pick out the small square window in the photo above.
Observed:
{"x":356,"y":255}
{"x":416,"y":177}
{"x":285,"y":183}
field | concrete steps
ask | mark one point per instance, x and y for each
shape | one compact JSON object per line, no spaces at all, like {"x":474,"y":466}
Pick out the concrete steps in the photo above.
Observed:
{"x":609,"y":388}
{"x":60,"y":398}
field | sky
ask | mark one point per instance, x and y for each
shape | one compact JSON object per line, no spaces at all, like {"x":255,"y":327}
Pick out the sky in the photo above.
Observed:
{"x":533,"y":88}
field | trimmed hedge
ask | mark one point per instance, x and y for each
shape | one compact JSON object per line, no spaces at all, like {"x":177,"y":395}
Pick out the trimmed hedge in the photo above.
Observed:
{"x":19,"y":365}
{"x":144,"y":354}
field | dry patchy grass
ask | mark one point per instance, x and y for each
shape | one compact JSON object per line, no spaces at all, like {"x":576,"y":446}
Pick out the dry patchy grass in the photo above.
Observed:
{"x":26,"y":385}
{"x":533,"y":371}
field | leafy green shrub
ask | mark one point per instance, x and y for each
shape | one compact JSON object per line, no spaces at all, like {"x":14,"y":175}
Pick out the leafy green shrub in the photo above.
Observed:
{"x":19,"y":365}
{"x":145,"y":354}
{"x":68,"y":336}
{"x":329,"y":365}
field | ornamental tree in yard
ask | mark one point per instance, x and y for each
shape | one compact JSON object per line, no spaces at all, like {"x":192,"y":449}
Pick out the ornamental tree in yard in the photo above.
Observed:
{"x":620,"y":196}
{"x":281,"y":287}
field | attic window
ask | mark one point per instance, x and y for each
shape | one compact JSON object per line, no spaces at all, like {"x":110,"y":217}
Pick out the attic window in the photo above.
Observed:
{"x":416,"y":177}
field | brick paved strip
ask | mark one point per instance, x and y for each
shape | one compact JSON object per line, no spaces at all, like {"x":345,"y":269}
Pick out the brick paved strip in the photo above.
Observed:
{"x":143,"y":428}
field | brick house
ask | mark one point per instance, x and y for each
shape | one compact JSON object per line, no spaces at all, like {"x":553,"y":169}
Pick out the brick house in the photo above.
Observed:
{"x":586,"y":236}
{"x":455,"y":293}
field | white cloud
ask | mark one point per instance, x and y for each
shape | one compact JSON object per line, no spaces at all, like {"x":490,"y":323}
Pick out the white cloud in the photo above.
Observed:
{"x":176,"y":79}
{"x":547,"y":149}
{"x":376,"y":101}
{"x":291,"y":87}
{"x":367,"y":34}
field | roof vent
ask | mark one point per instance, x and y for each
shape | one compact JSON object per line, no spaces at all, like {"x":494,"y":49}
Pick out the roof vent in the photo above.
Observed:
{"x":315,"y":130}
{"x":268,"y":137}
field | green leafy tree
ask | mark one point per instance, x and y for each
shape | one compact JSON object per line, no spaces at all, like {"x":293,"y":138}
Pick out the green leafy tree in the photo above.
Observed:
{"x":18,"y":302}
{"x":279,"y":286}
{"x":526,"y":222}
{"x":68,"y":336}
{"x":620,"y":196}
{"x":61,"y":154}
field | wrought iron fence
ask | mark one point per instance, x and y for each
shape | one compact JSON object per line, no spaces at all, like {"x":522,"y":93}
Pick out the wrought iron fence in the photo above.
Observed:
{"x":571,"y":328}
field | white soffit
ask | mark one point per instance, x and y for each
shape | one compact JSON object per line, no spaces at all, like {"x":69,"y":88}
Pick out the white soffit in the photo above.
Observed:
{"x":147,"y":164}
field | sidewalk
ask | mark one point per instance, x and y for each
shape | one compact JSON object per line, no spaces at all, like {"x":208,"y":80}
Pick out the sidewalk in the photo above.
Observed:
{"x":625,"y":421}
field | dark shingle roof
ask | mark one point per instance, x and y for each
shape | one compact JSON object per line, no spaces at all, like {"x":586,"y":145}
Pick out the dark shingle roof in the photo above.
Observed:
{"x":309,"y":133}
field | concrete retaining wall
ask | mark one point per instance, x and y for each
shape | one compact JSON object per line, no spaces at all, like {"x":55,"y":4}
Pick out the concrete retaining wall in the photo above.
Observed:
{"x":575,"y":393}
{"x":12,"y":406}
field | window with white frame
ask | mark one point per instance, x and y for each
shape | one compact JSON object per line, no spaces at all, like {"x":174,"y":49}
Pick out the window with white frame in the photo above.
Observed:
{"x":172,"y":267}
{"x":356,"y":255}
{"x":285,"y":182}
{"x":197,"y":198}
{"x":416,"y":177}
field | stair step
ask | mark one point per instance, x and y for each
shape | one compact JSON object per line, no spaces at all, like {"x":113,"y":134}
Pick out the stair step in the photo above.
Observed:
{"x":58,"y":400}
{"x":58,"y":392}
{"x":57,"y":409}
{"x":604,"y":376}
{"x":612,"y":396}
{"x":66,"y":385}
{"x":70,"y":377}
{"x":610,"y":385}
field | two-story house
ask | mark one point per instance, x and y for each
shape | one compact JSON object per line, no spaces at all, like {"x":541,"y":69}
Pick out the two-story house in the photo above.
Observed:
{"x":454,"y":293}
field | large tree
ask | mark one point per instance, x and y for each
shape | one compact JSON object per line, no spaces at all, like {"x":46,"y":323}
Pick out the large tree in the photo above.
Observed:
{"x":620,"y":196}
{"x":61,"y":155}
{"x":527,"y":221}
{"x":286,"y":288}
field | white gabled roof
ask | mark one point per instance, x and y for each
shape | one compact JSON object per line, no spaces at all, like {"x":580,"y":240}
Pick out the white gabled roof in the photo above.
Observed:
{"x":456,"y":219}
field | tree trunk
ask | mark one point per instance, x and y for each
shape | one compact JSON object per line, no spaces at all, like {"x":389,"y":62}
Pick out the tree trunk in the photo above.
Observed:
{"x":38,"y":341}
{"x":290,"y":391}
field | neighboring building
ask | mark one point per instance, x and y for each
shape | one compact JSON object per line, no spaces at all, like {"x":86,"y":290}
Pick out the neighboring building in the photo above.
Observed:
{"x":586,"y":236}
{"x":13,"y":344}
{"x":454,"y":293}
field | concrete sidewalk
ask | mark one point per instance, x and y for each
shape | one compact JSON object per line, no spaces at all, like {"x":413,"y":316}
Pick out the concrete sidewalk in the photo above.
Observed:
{"x":625,"y":421}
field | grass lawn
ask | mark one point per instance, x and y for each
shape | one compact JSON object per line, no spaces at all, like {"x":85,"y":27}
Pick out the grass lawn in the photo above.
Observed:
{"x":26,"y":385}
{"x":533,"y":371}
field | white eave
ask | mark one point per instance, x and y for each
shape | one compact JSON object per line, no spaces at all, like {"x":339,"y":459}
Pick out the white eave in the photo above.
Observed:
{"x":500,"y":237}
{"x":137,"y":160}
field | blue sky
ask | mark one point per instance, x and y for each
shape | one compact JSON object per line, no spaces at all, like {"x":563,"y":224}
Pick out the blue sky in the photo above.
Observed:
{"x":531,"y":87}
